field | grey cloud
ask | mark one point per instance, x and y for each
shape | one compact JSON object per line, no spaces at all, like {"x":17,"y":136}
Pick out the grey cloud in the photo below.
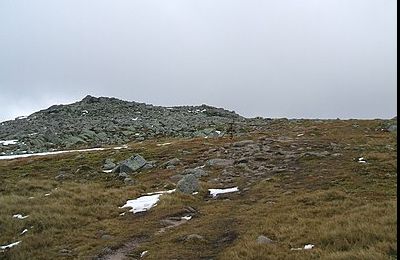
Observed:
{"x":319,"y":59}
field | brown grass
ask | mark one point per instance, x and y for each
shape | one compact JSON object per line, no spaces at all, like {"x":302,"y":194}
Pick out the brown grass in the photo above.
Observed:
{"x":346,"y":209}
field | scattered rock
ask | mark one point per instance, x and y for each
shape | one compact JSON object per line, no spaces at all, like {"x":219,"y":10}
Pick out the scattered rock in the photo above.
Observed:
{"x":220,"y":162}
{"x":188,"y":184}
{"x":198,"y":172}
{"x":172,"y":162}
{"x":129,"y":181}
{"x":243,"y":143}
{"x":264,"y":240}
{"x":194,"y":238}
{"x":132,"y":164}
{"x":109,"y":165}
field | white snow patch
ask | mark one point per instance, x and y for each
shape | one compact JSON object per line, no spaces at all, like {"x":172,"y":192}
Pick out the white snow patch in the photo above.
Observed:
{"x":195,"y":193}
{"x":143,"y":253}
{"x":10,"y":157}
{"x":218,"y":132}
{"x":145,"y":203}
{"x":162,"y":192}
{"x":10,"y":245}
{"x":215,"y":192}
{"x":308,"y":247}
{"x":186,"y":217}
{"x":19,"y":216}
{"x":107,"y":171}
{"x":24,"y":231}
{"x":120,"y":147}
{"x":164,"y":144}
{"x":122,"y":214}
{"x":300,"y":135}
{"x":135,"y":119}
{"x":362,"y":160}
{"x":142,"y":204}
{"x":47,"y":194}
{"x":9,"y":142}
{"x":84,"y":112}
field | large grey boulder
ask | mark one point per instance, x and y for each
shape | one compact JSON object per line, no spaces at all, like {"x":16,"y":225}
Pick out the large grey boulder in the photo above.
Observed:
{"x":188,"y":184}
{"x":132,"y":164}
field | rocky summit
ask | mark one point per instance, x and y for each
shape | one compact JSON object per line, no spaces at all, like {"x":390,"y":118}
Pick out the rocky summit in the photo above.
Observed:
{"x":97,"y":121}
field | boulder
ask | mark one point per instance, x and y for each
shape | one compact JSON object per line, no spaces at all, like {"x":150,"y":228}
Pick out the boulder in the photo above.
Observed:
{"x":132,"y":164}
{"x":243,"y":143}
{"x":220,"y":162}
{"x":188,"y":184}
{"x":198,"y":172}
{"x":264,"y":240}
{"x":108,"y":164}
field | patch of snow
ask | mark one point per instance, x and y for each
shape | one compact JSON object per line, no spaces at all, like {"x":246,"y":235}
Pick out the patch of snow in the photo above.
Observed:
{"x":200,"y":167}
{"x":122,"y":214}
{"x":9,"y":157}
{"x":135,"y":119}
{"x":47,"y":194}
{"x":195,"y":193}
{"x":362,"y":160}
{"x":164,"y":144}
{"x":143,"y":253}
{"x":218,"y":132}
{"x":84,"y":112}
{"x":21,"y":117}
{"x":137,"y":134}
{"x":120,"y":147}
{"x":24,"y":231}
{"x":300,"y":135}
{"x":10,"y":245}
{"x":32,"y":134}
{"x":144,"y":203}
{"x":19,"y":216}
{"x":9,"y":142}
{"x":186,"y":217}
{"x":107,"y":171}
{"x":215,"y":192}
{"x":308,"y":247}
{"x":162,"y":192}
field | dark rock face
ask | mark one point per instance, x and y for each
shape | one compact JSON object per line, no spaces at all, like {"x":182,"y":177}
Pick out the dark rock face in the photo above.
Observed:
{"x":96,"y":121}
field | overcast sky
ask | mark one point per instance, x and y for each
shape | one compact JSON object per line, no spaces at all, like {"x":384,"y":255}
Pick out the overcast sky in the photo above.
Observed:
{"x":271,"y":58}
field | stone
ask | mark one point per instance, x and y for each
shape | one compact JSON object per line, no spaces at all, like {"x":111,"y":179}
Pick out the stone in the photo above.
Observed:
{"x":194,"y":238}
{"x":132,"y":164}
{"x":108,"y":165}
{"x":129,"y":181}
{"x":243,"y":143}
{"x":220,"y":162}
{"x":198,"y":172}
{"x":264,"y":240}
{"x":172,"y":162}
{"x":188,"y":184}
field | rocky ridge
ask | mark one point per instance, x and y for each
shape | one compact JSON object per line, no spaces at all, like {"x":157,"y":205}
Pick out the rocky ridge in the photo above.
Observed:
{"x":97,"y":121}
